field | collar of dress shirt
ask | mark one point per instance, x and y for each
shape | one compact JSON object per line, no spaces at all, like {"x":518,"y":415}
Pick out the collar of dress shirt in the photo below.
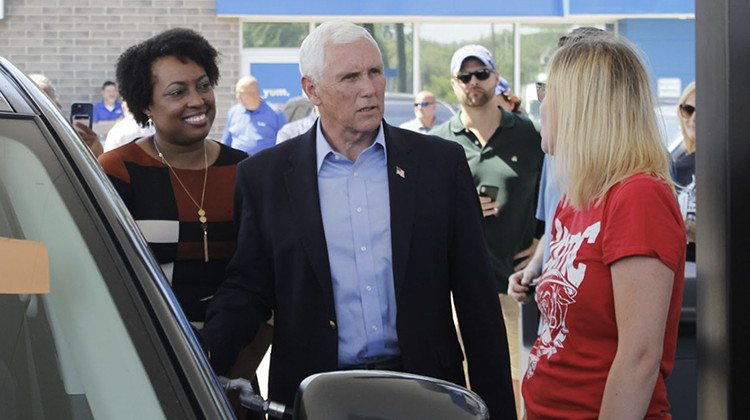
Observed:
{"x":323,"y":148}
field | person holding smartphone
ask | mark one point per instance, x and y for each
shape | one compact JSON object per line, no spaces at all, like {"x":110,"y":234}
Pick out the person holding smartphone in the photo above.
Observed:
{"x":502,"y":150}
{"x":89,"y":136}
{"x":84,"y":130}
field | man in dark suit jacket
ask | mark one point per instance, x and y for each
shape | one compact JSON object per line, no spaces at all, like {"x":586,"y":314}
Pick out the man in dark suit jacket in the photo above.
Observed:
{"x":346,"y":294}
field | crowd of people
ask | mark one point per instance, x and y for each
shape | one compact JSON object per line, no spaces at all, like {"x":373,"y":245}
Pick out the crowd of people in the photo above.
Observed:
{"x":354,"y":244}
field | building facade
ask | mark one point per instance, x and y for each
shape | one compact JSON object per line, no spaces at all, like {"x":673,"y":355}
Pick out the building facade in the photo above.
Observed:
{"x":75,"y":43}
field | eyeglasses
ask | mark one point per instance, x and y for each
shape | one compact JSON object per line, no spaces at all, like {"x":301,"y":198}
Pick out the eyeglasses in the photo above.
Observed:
{"x":482,"y":74}
{"x":540,"y":88}
{"x":423,"y":104}
{"x":686,"y":110}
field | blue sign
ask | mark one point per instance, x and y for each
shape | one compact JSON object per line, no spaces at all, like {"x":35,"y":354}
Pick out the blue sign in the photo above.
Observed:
{"x":541,"y":8}
{"x":278,"y":82}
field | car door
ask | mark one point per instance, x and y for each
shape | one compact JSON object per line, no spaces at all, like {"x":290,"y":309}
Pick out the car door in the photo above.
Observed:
{"x":109,"y":340}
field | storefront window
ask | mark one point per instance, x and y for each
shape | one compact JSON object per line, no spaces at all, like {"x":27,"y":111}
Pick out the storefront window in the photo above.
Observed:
{"x":273,"y":35}
{"x":395,"y":41}
{"x":438,"y":41}
{"x":538,"y":43}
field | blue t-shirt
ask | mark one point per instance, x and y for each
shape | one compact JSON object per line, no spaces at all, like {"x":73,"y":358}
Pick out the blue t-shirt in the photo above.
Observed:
{"x":252,"y":131}
{"x":101,"y":113}
{"x":549,"y":196}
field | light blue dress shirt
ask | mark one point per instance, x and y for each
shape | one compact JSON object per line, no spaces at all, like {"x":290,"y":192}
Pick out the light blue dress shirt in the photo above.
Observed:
{"x":355,"y":206}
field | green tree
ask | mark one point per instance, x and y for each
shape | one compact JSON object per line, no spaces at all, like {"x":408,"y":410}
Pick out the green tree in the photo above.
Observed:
{"x":273,"y":35}
{"x":538,"y":43}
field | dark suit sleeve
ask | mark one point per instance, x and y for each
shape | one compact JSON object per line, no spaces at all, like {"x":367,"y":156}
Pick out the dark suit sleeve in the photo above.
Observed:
{"x":244,"y":300}
{"x":477,"y":303}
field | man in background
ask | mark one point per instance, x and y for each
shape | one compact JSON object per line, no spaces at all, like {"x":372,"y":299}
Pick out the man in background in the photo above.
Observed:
{"x":505,"y":98}
{"x":295,"y":128}
{"x":424,"y":112}
{"x":504,"y":155}
{"x":109,"y":108}
{"x":108,"y":111}
{"x":252,"y":123}
{"x":87,"y":135}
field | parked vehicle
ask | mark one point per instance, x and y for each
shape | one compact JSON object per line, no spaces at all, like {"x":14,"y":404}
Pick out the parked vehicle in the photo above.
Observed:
{"x":108,"y":340}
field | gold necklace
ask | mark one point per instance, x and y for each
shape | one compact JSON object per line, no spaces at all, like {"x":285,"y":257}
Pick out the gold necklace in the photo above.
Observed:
{"x":201,"y":212}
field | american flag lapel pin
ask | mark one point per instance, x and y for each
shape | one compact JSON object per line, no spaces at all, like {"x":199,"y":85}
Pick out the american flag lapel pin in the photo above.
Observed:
{"x":400,"y":172}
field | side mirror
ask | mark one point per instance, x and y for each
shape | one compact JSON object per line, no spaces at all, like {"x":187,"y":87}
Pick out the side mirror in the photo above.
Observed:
{"x":362,"y":394}
{"x":25,"y":266}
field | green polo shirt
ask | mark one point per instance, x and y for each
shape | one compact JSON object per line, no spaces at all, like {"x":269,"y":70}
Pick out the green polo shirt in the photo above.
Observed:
{"x":512,"y":161}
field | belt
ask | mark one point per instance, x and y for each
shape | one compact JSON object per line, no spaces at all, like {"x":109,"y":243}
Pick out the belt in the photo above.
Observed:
{"x":392,"y":364}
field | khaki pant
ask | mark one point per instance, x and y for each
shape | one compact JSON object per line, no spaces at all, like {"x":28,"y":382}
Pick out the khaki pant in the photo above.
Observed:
{"x":511,"y":315}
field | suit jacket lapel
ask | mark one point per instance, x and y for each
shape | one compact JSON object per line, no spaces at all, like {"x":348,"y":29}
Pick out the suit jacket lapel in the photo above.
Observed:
{"x":402,"y":184}
{"x":301,"y":180}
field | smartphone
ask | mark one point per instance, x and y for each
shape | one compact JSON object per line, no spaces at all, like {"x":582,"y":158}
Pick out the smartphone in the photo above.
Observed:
{"x":489,"y":191}
{"x":82,"y":112}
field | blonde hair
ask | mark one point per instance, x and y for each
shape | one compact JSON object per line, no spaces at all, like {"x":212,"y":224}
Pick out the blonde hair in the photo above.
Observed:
{"x":688,"y":141}
{"x":602,"y":105}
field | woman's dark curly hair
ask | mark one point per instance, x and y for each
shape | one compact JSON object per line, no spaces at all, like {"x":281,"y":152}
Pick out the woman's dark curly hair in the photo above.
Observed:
{"x":134,"y":77}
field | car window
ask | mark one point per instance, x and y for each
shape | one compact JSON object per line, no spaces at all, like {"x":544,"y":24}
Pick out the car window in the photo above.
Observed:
{"x":65,"y":354}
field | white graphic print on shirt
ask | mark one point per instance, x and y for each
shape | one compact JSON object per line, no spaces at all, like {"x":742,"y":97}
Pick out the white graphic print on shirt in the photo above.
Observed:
{"x":561,"y":280}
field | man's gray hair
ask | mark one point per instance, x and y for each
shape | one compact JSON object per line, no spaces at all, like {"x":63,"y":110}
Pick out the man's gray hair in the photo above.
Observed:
{"x":312,"y":52}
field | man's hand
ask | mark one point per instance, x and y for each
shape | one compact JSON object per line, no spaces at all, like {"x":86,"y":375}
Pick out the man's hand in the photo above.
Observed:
{"x":489,"y":207}
{"x":89,"y":137}
{"x":690,"y":230}
{"x":518,"y":284}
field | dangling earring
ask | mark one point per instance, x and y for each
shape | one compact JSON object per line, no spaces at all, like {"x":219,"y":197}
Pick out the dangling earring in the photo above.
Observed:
{"x":150,"y":123}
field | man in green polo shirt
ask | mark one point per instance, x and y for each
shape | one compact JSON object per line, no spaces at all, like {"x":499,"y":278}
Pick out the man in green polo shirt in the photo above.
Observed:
{"x":504,"y":153}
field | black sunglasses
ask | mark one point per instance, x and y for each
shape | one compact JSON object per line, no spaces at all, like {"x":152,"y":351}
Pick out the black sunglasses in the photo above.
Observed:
{"x":423,"y":104}
{"x":482,"y":74}
{"x":540,"y":88}
{"x":686,"y":110}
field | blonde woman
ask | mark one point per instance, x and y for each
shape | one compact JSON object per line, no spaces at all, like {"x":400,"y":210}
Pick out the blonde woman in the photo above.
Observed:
{"x":683,"y":169}
{"x":611,"y":289}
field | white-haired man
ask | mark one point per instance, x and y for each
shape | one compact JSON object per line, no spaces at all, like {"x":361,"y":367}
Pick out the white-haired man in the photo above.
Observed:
{"x":354,"y":235}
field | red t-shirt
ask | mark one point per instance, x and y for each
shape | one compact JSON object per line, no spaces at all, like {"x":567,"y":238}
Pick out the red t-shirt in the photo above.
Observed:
{"x":570,"y":360}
